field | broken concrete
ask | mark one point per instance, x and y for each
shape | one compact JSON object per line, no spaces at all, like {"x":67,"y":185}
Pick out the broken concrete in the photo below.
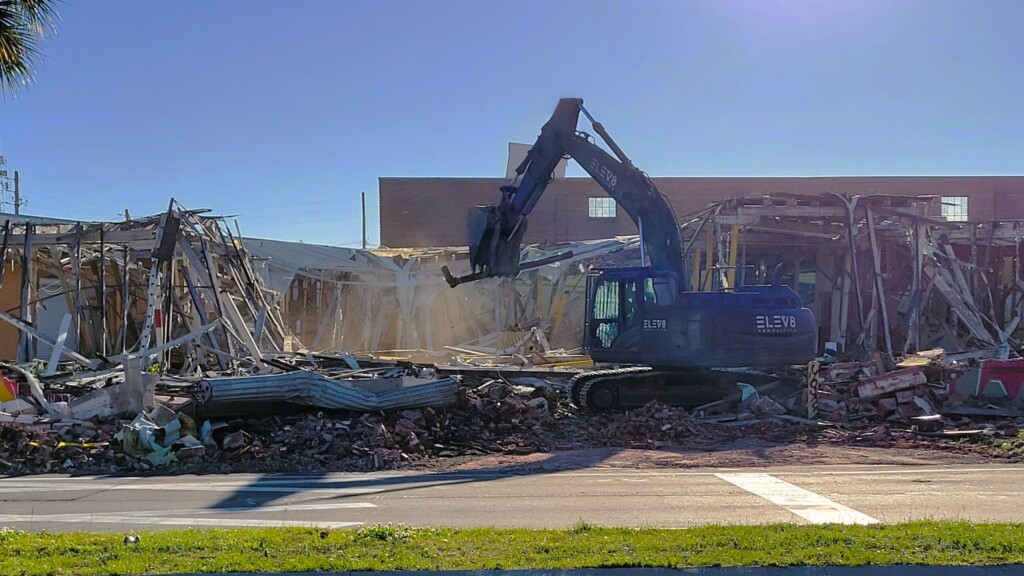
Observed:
{"x":890,"y":382}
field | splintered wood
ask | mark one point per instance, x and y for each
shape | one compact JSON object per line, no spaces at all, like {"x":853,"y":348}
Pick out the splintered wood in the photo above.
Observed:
{"x":152,"y":287}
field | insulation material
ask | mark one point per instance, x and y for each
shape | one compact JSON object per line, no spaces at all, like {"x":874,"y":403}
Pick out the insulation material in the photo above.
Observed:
{"x":397,"y":300}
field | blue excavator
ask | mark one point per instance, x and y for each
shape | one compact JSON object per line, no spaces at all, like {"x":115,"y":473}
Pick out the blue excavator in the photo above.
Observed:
{"x":661,"y":335}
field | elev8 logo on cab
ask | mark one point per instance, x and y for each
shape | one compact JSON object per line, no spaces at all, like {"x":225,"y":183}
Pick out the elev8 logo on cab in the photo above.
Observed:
{"x":775,"y":323}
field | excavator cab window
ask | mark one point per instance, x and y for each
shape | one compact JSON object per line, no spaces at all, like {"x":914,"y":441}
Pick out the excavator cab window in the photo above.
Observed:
{"x":605,"y":310}
{"x":659,"y":290}
{"x":630,"y":303}
{"x":616,"y":306}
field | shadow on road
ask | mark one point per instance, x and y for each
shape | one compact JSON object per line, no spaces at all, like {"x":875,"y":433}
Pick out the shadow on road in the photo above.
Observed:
{"x":287,"y":486}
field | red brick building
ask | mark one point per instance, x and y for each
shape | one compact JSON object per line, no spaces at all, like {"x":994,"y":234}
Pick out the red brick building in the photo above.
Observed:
{"x":420,"y":212}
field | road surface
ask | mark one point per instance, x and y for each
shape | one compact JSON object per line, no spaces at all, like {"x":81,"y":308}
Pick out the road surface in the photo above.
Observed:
{"x":610,"y":497}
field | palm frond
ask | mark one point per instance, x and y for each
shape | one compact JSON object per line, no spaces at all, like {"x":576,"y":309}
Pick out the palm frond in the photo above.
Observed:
{"x":40,"y":15}
{"x":23,"y":25}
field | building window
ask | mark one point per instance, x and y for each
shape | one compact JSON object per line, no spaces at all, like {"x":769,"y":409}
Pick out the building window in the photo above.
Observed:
{"x":954,"y":208}
{"x":602,"y":208}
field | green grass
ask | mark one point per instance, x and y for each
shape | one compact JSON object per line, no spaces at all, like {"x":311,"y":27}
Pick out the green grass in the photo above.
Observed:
{"x":582,"y":546}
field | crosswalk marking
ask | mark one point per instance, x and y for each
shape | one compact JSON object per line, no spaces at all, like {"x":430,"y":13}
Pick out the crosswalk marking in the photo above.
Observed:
{"x":812,"y":507}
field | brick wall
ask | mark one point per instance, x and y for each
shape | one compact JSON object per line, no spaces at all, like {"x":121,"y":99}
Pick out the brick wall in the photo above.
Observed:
{"x":419,"y":212}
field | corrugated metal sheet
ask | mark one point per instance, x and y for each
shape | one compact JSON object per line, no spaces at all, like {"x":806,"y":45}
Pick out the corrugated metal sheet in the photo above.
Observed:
{"x":313,"y":389}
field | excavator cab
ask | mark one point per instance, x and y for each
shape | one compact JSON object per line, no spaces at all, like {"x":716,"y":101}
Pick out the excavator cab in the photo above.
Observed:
{"x":639,"y":316}
{"x":627,"y":310}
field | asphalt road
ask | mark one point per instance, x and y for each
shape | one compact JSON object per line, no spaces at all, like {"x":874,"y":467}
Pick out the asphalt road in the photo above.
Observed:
{"x":611,"y":497}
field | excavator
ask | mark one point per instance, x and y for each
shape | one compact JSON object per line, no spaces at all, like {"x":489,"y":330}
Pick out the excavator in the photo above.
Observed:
{"x":645,"y":320}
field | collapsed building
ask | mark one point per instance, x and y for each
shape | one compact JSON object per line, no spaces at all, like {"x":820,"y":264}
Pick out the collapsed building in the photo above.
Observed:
{"x":883,"y":273}
{"x":96,"y":291}
{"x":181,"y":305}
{"x":879,"y":272}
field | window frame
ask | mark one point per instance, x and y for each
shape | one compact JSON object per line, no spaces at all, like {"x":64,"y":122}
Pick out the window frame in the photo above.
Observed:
{"x":601,"y":207}
{"x":955,"y":208}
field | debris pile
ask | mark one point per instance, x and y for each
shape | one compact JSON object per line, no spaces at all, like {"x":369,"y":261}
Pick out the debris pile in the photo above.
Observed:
{"x":494,"y":418}
{"x":924,"y":390}
{"x":525,"y":416}
{"x":176,"y":354}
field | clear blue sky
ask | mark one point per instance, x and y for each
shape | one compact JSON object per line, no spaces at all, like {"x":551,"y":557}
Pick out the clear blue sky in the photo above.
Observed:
{"x":283,"y":112}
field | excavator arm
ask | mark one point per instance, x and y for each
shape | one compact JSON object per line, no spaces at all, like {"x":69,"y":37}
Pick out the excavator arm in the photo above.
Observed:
{"x":496,"y":231}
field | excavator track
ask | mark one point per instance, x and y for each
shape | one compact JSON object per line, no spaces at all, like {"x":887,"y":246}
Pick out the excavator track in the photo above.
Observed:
{"x":635,"y":386}
{"x":606,"y":396}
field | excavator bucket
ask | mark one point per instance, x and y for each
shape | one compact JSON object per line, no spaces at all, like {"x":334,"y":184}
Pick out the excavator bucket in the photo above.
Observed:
{"x":494,"y":251}
{"x":493,"y":246}
{"x":482,"y":227}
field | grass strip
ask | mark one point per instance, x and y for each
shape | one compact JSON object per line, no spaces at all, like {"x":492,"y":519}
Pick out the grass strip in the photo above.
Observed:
{"x":386,"y":547}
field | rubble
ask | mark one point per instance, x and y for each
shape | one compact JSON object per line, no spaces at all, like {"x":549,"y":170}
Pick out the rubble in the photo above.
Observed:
{"x":517,"y":417}
{"x":890,"y":382}
{"x":191,"y":358}
{"x":154,"y":435}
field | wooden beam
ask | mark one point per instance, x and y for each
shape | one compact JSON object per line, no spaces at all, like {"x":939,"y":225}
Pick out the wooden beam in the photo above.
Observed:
{"x":851,"y":231}
{"x":960,"y":308}
{"x":879,"y":284}
{"x":844,"y":305}
{"x":912,"y":341}
{"x":58,"y":346}
{"x":25,"y":352}
{"x":116,"y":236}
{"x":3,"y":250}
{"x":82,"y":322}
{"x":150,"y":352}
{"x":104,"y":339}
{"x":235,"y":321}
{"x":122,"y":337}
{"x":31,"y":331}
{"x":200,"y":310}
{"x":792,"y":232}
{"x":915,"y":216}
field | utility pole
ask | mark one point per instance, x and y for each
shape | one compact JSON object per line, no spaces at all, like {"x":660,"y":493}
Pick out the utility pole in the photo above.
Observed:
{"x":5,"y":187}
{"x":364,"y":219}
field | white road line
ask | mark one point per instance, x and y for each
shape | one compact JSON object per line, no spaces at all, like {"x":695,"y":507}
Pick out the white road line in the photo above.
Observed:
{"x":213,"y":478}
{"x":15,"y":487}
{"x":233,"y":509}
{"x":259,"y":509}
{"x":812,"y":507}
{"x":166,"y":521}
{"x":188,"y":516}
